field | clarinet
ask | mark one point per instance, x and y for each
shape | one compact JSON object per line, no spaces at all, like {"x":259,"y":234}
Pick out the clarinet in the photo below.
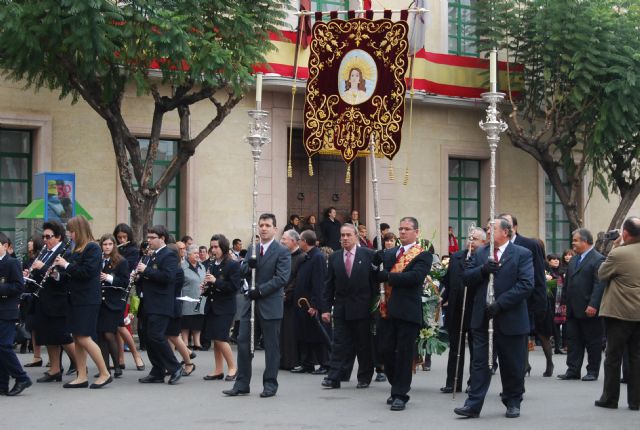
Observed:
{"x":42,"y":252}
{"x":203,"y":288}
{"x":133,"y":277}
{"x":65,"y":246}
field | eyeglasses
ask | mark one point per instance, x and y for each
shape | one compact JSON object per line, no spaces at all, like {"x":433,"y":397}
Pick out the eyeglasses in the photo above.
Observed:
{"x":47,"y":236}
{"x":152,"y":237}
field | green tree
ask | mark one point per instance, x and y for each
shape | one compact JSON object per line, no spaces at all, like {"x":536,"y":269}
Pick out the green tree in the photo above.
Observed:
{"x":196,"y":50}
{"x":579,"y":110}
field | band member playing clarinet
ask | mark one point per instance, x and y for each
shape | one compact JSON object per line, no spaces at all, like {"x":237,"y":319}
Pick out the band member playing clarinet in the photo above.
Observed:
{"x":221,"y":286}
{"x":11,"y":286}
{"x":81,"y":274}
{"x":273,"y":267}
{"x":512,"y":266}
{"x":51,"y":303}
{"x":114,"y":278}
{"x":158,"y":296}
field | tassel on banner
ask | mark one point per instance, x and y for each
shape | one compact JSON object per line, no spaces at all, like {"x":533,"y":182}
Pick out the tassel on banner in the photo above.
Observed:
{"x":289,"y":169}
{"x":347,"y":179}
{"x":392,"y":176}
{"x":406,"y":177}
{"x":310,"y":167}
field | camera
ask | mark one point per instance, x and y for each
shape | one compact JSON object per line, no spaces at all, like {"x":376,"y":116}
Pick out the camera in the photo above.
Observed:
{"x":612,"y":235}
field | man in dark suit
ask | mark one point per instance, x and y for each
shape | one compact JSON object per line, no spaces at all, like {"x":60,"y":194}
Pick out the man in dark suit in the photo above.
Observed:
{"x":512,"y":270}
{"x":11,"y":286}
{"x":349,"y":288}
{"x":158,"y":298}
{"x":273,"y":268}
{"x":330,"y":230}
{"x":583,"y":292}
{"x":404,"y":270}
{"x":309,"y":284}
{"x":454,"y":297}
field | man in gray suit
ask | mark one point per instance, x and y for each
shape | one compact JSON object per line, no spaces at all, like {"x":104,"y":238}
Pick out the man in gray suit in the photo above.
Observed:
{"x":583,"y":292}
{"x":273,"y":267}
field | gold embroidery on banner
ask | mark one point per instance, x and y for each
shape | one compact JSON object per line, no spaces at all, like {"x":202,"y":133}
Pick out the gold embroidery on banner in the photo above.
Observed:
{"x":332,"y":129}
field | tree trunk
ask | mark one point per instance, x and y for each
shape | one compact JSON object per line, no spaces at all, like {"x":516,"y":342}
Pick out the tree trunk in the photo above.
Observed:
{"x":142,"y":216}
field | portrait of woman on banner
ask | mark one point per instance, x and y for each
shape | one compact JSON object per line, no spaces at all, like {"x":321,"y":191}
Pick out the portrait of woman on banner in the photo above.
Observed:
{"x":357,"y":77}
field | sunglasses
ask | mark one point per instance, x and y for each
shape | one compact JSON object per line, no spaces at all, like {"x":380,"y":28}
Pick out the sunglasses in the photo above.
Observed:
{"x":47,"y":236}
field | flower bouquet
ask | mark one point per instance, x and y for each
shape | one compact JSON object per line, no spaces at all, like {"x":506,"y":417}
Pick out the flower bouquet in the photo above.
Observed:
{"x":431,"y":339}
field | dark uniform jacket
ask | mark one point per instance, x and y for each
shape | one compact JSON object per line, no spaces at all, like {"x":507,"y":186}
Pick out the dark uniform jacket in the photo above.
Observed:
{"x":53,"y":299}
{"x":351,"y":297}
{"x":112,"y":297}
{"x":583,"y":287}
{"x":82,"y":275}
{"x":158,"y":283}
{"x":222,"y":294}
{"x":11,"y":286}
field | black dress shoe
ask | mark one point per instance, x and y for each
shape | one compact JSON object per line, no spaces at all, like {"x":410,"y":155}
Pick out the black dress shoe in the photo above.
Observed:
{"x":512,"y":412}
{"x":634,"y":407}
{"x":568,"y":376}
{"x":141,"y":367}
{"x":95,"y":385}
{"x":446,"y":390}
{"x":320,"y":371}
{"x":603,"y":404}
{"x":84,"y":384}
{"x":389,"y":400}
{"x":34,"y":364}
{"x":217,"y":377}
{"x":230,"y":378}
{"x":589,"y":377}
{"x":150,"y":379}
{"x":466,"y":411}
{"x":235,"y":392}
{"x":19,"y":387}
{"x":302,"y":369}
{"x":117,"y":373}
{"x":266,"y":394}
{"x":330,"y":383}
{"x":398,"y":404}
{"x":175,"y":376}
{"x":362,"y":385}
{"x":56,"y":377}
{"x":192,"y":355}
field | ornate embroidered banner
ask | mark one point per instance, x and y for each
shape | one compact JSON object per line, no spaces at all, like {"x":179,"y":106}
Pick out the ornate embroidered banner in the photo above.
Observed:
{"x":356,"y":87}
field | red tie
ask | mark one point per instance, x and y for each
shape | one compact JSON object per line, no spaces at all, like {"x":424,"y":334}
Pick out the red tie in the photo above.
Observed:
{"x":400,"y":254}
{"x":261,"y":250}
{"x":348,"y":263}
{"x":495,"y":255}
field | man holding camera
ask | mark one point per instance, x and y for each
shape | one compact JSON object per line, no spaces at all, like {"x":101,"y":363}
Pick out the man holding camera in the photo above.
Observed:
{"x":621,"y":311}
{"x":583,"y":291}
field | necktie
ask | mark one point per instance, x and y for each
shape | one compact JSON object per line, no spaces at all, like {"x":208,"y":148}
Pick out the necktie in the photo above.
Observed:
{"x":46,"y":256}
{"x":261,"y":250}
{"x":495,"y":254}
{"x":348,"y":263}
{"x":400,"y":253}
{"x":104,"y":263}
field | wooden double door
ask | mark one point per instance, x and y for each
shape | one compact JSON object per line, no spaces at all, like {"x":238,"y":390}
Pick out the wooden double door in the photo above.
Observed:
{"x":312,"y":195}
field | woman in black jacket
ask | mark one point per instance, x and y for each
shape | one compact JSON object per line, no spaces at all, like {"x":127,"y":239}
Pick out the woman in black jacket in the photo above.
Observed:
{"x":81,"y":275}
{"x":114,"y":279}
{"x":221,"y":286}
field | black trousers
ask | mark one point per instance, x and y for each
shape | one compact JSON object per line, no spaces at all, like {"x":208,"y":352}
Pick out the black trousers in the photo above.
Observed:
{"x":620,"y":335}
{"x":347,"y":335}
{"x":454,"y":338}
{"x":584,"y":333}
{"x":158,"y":349}
{"x":9,"y":364}
{"x":512,"y":354}
{"x":397,"y":346}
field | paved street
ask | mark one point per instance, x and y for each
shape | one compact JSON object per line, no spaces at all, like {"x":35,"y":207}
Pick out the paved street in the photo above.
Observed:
{"x":302,"y":403}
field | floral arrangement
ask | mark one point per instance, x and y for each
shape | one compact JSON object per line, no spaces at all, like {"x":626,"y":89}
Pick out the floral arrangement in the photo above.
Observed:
{"x":432,"y":340}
